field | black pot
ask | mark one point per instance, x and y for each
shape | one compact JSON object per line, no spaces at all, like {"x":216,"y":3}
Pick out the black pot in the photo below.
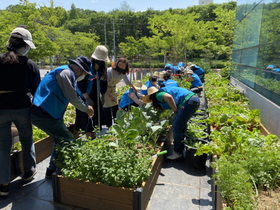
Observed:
{"x":197,"y":162}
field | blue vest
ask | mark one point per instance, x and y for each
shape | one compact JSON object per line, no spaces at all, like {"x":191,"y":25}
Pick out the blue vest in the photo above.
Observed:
{"x":125,"y":100}
{"x":197,"y":82}
{"x":90,"y":82}
{"x":177,"y":93}
{"x":171,"y":82}
{"x":49,"y":95}
{"x":198,"y":70}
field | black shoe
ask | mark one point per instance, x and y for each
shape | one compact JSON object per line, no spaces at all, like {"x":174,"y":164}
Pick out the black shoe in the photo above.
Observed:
{"x":4,"y":190}
{"x":28,"y":175}
{"x":49,"y":173}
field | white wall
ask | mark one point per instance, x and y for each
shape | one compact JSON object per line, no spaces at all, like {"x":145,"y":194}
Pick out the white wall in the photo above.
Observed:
{"x":270,"y":112}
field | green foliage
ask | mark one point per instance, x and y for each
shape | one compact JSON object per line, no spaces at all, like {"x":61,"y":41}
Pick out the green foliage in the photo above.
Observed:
{"x":245,"y":160}
{"x":141,"y":36}
{"x":120,"y":158}
{"x":100,"y":162}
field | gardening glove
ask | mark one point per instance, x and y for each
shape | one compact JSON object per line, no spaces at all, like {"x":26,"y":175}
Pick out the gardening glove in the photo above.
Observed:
{"x":89,"y":101}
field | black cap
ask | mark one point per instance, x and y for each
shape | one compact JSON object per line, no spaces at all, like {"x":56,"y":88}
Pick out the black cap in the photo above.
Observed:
{"x":83,"y":63}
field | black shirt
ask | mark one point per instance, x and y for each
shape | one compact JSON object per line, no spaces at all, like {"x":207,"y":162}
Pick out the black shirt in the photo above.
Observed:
{"x":21,"y":78}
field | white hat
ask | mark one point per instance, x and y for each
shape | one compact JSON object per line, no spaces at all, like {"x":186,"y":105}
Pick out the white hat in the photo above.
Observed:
{"x":139,"y":86}
{"x":151,"y":90}
{"x":23,"y":34}
{"x":101,"y":53}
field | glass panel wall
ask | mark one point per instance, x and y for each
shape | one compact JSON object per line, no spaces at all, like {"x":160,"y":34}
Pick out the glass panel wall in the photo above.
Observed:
{"x":256,"y":49}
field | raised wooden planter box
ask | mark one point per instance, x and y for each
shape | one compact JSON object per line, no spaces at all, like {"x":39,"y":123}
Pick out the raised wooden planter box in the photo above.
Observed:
{"x":219,"y":201}
{"x":43,"y":149}
{"x":103,"y":197}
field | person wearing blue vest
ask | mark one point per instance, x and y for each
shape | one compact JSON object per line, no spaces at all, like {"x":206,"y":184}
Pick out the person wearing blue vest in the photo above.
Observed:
{"x":174,"y":69}
{"x":90,"y":89}
{"x":183,"y":102}
{"x":51,"y":99}
{"x":153,"y":81}
{"x":132,"y":98}
{"x":196,"y":69}
{"x":194,"y":79}
{"x":168,"y":81}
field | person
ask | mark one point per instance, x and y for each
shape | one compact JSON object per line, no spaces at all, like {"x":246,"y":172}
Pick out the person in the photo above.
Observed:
{"x":90,"y":90}
{"x":51,"y":99}
{"x":160,"y":78}
{"x":119,"y":71}
{"x":183,"y":102}
{"x":174,"y":69}
{"x":196,"y":69}
{"x":181,"y":65}
{"x":132,"y":98}
{"x":19,"y":76}
{"x":197,"y":85}
{"x":153,"y":81}
{"x":168,"y":81}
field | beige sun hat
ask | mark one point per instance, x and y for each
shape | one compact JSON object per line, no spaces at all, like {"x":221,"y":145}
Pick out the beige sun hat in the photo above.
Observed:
{"x":151,"y":90}
{"x":101,"y":53}
{"x":23,"y":34}
{"x":156,"y":73}
{"x":189,"y":71}
{"x":161,"y":74}
{"x":139,"y":85}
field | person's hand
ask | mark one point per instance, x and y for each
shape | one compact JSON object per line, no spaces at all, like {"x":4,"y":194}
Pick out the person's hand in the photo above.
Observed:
{"x":90,"y":112}
{"x":89,"y":101}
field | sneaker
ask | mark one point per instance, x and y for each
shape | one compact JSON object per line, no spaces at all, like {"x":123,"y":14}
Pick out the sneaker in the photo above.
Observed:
{"x":28,"y":175}
{"x":174,"y":156}
{"x":4,"y":190}
{"x":49,"y":173}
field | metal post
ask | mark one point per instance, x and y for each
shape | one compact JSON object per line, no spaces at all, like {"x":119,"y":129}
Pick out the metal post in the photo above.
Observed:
{"x":114,"y":38}
{"x":105,"y":33}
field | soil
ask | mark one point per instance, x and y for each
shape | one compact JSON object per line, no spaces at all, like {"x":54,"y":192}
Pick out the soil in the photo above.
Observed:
{"x":269,"y":200}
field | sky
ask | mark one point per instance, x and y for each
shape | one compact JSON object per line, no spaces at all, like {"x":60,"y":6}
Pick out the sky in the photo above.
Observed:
{"x":109,"y":5}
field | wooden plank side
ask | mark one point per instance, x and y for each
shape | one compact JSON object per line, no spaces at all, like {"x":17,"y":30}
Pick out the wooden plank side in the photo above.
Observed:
{"x":96,"y":191}
{"x":149,"y":186}
{"x":263,"y":130}
{"x":90,"y":202}
{"x":43,"y":148}
{"x":43,"y":143}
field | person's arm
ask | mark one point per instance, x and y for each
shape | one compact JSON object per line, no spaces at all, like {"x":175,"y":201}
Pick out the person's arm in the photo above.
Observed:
{"x":135,"y":99}
{"x":127,"y":82}
{"x":34,"y":76}
{"x":66,"y":81}
{"x":170,"y":101}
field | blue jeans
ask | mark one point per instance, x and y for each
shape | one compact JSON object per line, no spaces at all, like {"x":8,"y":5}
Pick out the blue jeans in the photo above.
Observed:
{"x":179,"y":125}
{"x":22,"y":121}
{"x":57,"y":130}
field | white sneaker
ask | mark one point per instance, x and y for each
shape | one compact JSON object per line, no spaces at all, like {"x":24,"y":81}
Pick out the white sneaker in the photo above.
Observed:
{"x":174,"y":156}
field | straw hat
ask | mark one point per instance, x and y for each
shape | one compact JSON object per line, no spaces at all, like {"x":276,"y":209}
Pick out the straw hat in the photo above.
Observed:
{"x":151,"y":90}
{"x":139,"y":86}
